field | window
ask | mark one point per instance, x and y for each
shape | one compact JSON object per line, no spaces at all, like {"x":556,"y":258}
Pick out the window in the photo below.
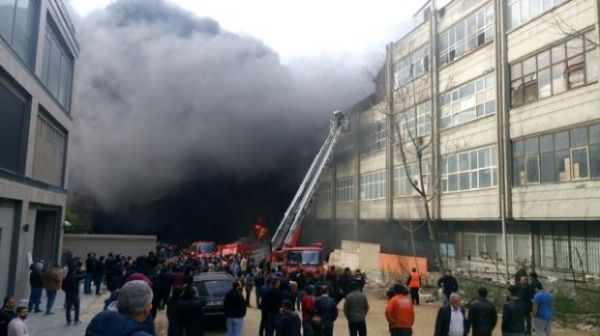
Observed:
{"x":521,"y":11}
{"x":563,"y":244}
{"x":18,"y":23}
{"x":558,"y":157}
{"x":412,"y":66}
{"x":14,"y":117}
{"x":416,"y":122}
{"x":402,"y":186}
{"x":563,"y":67}
{"x":323,"y":194}
{"x":468,"y":102}
{"x":475,"y":169}
{"x":489,"y":246}
{"x":57,"y":71}
{"x":374,"y":138}
{"x":467,"y":35}
{"x":50,"y":151}
{"x":345,"y":189}
{"x":372,"y":186}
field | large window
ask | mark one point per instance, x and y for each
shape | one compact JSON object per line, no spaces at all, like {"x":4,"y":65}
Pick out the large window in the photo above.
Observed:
{"x":372,"y":186}
{"x":323,"y":194}
{"x":467,"y":35}
{"x":475,"y":169}
{"x":374,"y":137}
{"x":468,"y":102}
{"x":345,"y":189}
{"x":564,"y":156}
{"x":416,"y":122}
{"x":489,"y":246}
{"x":566,"y":66}
{"x":402,"y":185}
{"x":566,"y":244}
{"x":411,"y":67}
{"x":522,"y":11}
{"x":50,"y":151}
{"x":18,"y":23}
{"x":57,"y":71}
{"x":14,"y":121}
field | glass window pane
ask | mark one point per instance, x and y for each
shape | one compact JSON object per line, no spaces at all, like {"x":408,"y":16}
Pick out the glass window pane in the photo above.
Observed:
{"x":452,"y":164}
{"x":484,"y":158}
{"x":532,"y":165}
{"x":562,"y":162}
{"x":591,"y":65}
{"x":561,"y":140}
{"x":546,"y":143}
{"x":519,"y":171}
{"x":529,"y":66}
{"x":515,"y":71}
{"x":574,"y":47}
{"x":531,"y":146}
{"x":595,"y":134}
{"x":473,"y":160}
{"x":460,"y":32}
{"x":525,"y":11}
{"x":453,"y":182}
{"x":595,"y":160}
{"x":464,"y":181}
{"x":547,"y":167}
{"x":518,"y":148}
{"x":467,"y":90}
{"x":543,"y":59}
{"x":544,"y":87}
{"x":558,"y":78}
{"x":558,"y":53}
{"x":463,"y":161}
{"x":515,"y":15}
{"x":485,"y":178}
{"x":576,"y":78}
{"x":579,"y":157}
{"x":579,"y":137}
{"x":536,"y":8}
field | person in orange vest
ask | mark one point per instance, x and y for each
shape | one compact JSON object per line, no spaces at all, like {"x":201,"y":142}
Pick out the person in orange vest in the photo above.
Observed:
{"x":414,"y":283}
{"x":400,"y":313}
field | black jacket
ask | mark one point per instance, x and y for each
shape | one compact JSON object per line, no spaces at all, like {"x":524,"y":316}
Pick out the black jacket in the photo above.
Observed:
{"x":526,"y":295}
{"x":288,"y":324}
{"x":513,"y":316}
{"x":190,"y":316}
{"x":5,"y":317}
{"x":234,"y":304}
{"x":271,"y":301}
{"x":71,"y":283}
{"x":442,"y":322}
{"x":448,"y":284}
{"x":482,"y":317}
{"x":36,"y":279}
{"x":326,"y":308}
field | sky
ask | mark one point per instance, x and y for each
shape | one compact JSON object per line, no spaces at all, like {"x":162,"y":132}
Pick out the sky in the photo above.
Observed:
{"x":303,"y":29}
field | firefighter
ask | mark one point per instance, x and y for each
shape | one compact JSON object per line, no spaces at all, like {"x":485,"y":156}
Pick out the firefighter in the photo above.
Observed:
{"x":414,"y":283}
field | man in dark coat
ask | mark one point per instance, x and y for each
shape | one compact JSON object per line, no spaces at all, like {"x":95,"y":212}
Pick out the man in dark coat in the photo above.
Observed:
{"x":526,"y":293}
{"x":7,"y":313}
{"x":451,"y":319}
{"x":326,"y":309}
{"x":482,"y":315}
{"x":271,"y":302}
{"x":514,"y":313}
{"x":189,"y":311}
{"x":235,"y":310}
{"x":448,"y":285}
{"x":36,"y":282}
{"x":70,"y":286}
{"x":288,"y":323}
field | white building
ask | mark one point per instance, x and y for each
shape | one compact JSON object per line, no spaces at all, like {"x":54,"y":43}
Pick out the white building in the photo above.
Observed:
{"x":37,"y":56}
{"x":503,"y":97}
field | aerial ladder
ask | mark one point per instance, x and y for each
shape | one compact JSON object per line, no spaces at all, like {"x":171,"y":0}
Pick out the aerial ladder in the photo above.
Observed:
{"x":284,"y":241}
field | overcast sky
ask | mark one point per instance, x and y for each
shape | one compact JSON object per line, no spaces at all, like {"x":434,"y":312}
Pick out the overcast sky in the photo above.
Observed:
{"x":303,"y":29}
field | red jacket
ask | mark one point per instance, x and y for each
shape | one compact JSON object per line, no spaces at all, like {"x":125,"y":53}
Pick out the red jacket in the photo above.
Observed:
{"x":308,"y":307}
{"x":399,"y":312}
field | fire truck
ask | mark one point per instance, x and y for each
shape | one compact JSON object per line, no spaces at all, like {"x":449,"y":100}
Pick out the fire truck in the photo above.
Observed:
{"x":284,"y":249}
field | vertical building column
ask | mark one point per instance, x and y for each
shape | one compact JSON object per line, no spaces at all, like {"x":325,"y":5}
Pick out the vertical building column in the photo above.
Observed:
{"x":435,"y":115}
{"x":357,"y":174}
{"x":333,"y":187}
{"x":389,"y":144}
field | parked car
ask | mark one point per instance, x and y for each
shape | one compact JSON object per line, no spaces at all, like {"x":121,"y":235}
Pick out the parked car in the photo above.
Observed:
{"x":212,"y":288}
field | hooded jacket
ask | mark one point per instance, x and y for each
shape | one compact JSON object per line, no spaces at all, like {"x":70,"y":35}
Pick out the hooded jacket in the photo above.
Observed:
{"x":109,"y":323}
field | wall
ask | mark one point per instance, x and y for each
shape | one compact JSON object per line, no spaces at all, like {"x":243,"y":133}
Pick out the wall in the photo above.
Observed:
{"x":128,"y":245}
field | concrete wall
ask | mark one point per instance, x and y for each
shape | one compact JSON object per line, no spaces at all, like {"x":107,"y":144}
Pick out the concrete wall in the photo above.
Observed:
{"x":128,"y":245}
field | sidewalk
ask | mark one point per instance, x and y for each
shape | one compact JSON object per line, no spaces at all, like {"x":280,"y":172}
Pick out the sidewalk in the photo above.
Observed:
{"x":53,"y":325}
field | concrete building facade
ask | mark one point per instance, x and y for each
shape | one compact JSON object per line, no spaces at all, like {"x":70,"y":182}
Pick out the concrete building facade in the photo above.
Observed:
{"x":38,"y":50}
{"x":497,"y":106}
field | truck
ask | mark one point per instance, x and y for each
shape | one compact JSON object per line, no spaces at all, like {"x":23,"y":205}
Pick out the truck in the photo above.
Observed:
{"x":284,"y":248}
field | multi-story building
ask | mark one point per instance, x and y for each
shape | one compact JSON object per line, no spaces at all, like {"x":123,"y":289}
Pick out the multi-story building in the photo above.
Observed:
{"x":496,"y":105}
{"x":37,"y":56}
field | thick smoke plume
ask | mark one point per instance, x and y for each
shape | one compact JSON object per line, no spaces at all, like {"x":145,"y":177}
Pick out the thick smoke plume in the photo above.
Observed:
{"x":164,"y":98}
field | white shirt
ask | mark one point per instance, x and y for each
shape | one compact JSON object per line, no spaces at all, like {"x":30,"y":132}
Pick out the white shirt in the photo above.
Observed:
{"x":457,"y":327}
{"x":17,"y":327}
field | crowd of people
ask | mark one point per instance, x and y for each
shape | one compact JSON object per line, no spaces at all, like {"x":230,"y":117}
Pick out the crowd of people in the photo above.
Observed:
{"x":294,"y":304}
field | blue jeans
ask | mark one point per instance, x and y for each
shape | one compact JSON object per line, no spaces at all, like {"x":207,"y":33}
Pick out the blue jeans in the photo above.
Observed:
{"x":35,"y":298}
{"x":87,"y":285}
{"x":50,"y":297}
{"x":72,"y":302}
{"x":235,"y":326}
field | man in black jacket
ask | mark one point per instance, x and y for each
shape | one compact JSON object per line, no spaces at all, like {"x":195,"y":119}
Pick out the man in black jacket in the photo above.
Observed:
{"x":448,"y":284}
{"x":189,"y":312}
{"x":526,"y":293}
{"x":271,"y":302}
{"x":71,"y":287}
{"x":7,"y":313}
{"x":36,"y":281}
{"x":451,"y":319}
{"x":235,"y":310}
{"x":482,"y":315}
{"x":326,"y":309}
{"x":513,"y":314}
{"x":288,"y":323}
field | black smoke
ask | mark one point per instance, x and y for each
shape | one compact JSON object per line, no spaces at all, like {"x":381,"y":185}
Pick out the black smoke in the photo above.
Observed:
{"x":188,"y":131}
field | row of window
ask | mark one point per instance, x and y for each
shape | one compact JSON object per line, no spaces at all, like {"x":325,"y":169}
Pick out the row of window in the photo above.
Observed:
{"x":374,"y":137}
{"x":372,"y":186}
{"x":18,"y":27}
{"x":403,"y":176}
{"x":490,"y":246}
{"x":558,"y":157}
{"x":522,"y":11}
{"x":416,"y":122}
{"x":468,"y":102}
{"x":57,"y":70}
{"x":412,"y":66}
{"x":563,"y":245}
{"x":566,"y":66}
{"x":467,"y":35}
{"x":345,"y":189}
{"x":323,"y":193}
{"x":474,"y":169}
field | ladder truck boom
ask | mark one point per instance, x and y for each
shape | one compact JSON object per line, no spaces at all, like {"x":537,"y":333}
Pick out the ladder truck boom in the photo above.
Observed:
{"x":288,"y":231}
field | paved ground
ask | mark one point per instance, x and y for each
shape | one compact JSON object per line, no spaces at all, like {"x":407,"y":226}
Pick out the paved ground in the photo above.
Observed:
{"x":54,"y":325}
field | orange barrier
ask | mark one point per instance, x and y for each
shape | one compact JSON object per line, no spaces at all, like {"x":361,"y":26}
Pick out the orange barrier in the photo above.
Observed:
{"x":397,"y":264}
